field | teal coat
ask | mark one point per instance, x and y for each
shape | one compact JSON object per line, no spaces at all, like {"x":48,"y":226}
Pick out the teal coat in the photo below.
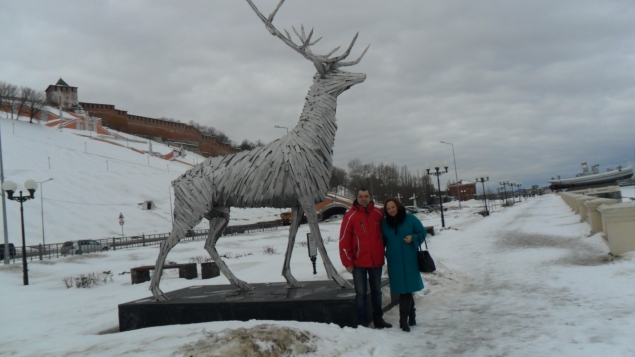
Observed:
{"x":403,"y":270}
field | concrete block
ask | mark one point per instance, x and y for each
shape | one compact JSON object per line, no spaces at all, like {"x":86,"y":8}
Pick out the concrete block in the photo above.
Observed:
{"x":593,"y":216}
{"x":618,"y":224}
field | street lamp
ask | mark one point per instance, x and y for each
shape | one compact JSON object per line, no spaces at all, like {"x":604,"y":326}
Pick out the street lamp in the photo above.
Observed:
{"x":42,"y":207}
{"x":482,"y":180}
{"x":456,"y":175}
{"x":10,"y":187}
{"x":511,"y":185}
{"x":518,"y":184}
{"x":503,"y":183}
{"x":282,"y":127}
{"x":437,"y":172}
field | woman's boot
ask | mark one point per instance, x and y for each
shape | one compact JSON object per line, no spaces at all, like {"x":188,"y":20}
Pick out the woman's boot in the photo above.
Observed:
{"x":404,"y":310}
{"x":412,"y":315}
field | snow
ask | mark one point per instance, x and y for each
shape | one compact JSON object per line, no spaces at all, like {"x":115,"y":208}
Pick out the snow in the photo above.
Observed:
{"x":526,"y":281}
{"x":93,"y":182}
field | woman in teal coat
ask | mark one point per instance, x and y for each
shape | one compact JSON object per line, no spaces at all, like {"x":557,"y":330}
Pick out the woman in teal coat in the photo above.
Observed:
{"x":403,"y":233}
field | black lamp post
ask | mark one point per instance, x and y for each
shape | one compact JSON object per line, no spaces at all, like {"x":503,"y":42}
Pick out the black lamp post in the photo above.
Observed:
{"x":518,"y":184}
{"x":503,"y":183}
{"x":10,"y":187}
{"x":511,"y":185}
{"x":482,"y":181}
{"x":437,"y":172}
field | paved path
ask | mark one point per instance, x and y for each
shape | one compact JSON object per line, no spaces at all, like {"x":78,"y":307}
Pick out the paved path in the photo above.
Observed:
{"x":529,"y":283}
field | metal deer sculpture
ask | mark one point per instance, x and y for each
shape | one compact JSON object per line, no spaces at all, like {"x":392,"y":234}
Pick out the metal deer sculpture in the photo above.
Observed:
{"x":292,"y":171}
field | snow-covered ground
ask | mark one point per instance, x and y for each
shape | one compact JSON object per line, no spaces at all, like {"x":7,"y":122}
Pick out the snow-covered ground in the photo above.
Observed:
{"x":526,"y":281}
{"x":93,"y":182}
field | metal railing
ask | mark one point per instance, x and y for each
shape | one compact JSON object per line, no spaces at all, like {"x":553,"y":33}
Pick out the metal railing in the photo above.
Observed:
{"x":55,"y":250}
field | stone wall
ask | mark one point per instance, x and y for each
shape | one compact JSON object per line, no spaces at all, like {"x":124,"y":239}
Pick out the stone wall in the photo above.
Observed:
{"x":158,"y":129}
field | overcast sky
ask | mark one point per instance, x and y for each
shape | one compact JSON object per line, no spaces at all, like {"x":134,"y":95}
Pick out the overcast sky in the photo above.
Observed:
{"x":525,"y":90}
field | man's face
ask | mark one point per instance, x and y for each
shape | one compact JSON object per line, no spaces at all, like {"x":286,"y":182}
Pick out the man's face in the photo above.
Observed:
{"x":363,"y":198}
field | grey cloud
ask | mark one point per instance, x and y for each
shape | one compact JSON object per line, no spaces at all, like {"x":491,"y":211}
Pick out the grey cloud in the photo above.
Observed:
{"x":524,"y":89}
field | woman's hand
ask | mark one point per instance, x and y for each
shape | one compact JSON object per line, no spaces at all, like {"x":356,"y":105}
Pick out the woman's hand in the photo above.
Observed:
{"x":408,"y":239}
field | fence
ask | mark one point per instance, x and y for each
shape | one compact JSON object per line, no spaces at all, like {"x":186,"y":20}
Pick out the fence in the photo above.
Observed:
{"x":56,"y":250}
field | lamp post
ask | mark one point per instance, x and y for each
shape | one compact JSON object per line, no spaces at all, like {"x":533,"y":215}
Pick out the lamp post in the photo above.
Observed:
{"x":4,"y":210}
{"x":10,"y":187}
{"x":482,"y":180}
{"x":437,"y":172}
{"x":282,"y":127}
{"x":518,"y":184}
{"x":511,"y":185}
{"x":503,"y":183}
{"x":456,"y":175}
{"x":42,"y":207}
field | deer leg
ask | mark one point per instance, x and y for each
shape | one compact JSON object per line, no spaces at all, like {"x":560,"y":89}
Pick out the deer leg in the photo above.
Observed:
{"x":311,"y":216}
{"x":218,"y":220}
{"x":178,"y":231}
{"x":293,"y":230}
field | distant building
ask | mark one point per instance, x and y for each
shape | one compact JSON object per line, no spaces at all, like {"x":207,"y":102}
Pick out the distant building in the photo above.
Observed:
{"x":61,"y":94}
{"x":184,"y":135}
{"x":468,"y":190}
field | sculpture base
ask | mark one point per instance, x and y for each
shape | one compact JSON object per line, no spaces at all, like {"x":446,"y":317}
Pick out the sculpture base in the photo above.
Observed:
{"x":317,"y":301}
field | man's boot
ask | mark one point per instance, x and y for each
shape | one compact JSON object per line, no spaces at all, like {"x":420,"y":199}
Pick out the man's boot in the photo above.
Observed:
{"x":381,"y":323}
{"x":412,"y":315}
{"x":404,"y":310}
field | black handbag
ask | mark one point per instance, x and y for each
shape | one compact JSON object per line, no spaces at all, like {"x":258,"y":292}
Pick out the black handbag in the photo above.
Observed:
{"x":424,"y":260}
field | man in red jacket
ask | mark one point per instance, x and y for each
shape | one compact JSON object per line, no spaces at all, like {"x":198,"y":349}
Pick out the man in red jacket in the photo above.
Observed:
{"x":362,"y":253}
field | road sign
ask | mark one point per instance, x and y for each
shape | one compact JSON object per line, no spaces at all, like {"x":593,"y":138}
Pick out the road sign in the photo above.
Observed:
{"x":311,"y":245}
{"x":121,"y":222}
{"x":120,"y":215}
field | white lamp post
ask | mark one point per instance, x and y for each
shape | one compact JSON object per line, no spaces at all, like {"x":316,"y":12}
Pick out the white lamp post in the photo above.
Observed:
{"x":42,"y":207}
{"x":282,"y":127}
{"x":456,"y":175}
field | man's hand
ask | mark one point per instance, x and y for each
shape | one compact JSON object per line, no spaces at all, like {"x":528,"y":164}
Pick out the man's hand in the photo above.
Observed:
{"x":408,"y":239}
{"x":349,"y":269}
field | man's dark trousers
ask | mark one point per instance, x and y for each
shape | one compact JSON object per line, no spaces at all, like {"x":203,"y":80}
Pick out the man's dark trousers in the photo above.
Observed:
{"x":360,"y":277}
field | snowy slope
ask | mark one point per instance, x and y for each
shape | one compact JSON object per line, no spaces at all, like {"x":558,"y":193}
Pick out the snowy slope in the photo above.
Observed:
{"x":93,"y":181}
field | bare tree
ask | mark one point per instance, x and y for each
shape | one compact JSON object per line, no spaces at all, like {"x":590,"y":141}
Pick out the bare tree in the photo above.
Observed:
{"x":248,"y":145}
{"x":34,"y":101}
{"x":21,"y":100}
{"x":8,"y":93}
{"x":338,"y":178}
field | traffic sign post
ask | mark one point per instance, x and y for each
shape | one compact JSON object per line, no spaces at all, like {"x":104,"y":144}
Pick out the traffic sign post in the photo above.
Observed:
{"x":312,"y":246}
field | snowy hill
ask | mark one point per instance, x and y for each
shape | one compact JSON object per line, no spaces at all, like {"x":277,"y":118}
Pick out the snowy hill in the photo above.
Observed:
{"x":93,"y":182}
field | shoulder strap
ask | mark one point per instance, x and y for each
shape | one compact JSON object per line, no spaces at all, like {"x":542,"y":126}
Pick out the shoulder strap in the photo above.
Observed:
{"x":426,"y":243}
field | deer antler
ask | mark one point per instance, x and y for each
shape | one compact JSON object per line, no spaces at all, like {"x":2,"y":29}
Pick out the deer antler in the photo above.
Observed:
{"x":322,"y":62}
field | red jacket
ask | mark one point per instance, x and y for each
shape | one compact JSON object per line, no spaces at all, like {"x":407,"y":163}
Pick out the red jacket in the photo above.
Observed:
{"x":360,"y":237}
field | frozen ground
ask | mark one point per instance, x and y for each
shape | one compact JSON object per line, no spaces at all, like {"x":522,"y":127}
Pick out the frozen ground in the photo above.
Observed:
{"x":526,"y":281}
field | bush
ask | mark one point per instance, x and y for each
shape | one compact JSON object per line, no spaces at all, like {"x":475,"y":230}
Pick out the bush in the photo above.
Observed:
{"x":269,"y":250}
{"x":88,"y":280}
{"x":200,"y":259}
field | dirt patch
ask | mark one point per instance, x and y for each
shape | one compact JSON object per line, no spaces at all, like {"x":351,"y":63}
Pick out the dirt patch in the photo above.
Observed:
{"x":259,"y":341}
{"x":524,"y":240}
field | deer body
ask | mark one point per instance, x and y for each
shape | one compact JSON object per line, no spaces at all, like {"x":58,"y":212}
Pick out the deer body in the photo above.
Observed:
{"x":289,"y":172}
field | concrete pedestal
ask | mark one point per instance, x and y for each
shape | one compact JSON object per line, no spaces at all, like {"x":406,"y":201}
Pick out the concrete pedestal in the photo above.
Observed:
{"x":593,"y":216}
{"x":317,"y":301}
{"x":581,"y":208}
{"x":618,"y":223}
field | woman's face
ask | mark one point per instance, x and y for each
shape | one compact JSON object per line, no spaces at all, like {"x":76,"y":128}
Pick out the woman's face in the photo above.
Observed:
{"x":391,"y":208}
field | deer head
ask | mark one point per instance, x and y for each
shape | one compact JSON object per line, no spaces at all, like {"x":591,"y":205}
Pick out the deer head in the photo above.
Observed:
{"x":326,"y":66}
